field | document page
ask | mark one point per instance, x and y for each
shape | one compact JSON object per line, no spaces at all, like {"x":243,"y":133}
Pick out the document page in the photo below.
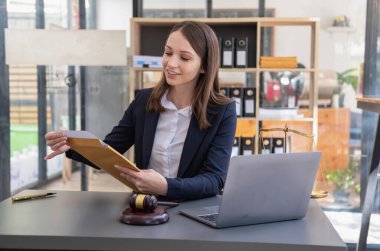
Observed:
{"x":102,"y":155}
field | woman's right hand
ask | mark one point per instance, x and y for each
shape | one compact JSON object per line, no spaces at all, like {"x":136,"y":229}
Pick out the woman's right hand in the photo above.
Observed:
{"x":57,"y":142}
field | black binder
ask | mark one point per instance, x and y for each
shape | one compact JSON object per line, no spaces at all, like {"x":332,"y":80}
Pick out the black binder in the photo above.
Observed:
{"x":278,"y":145}
{"x":249,"y":107}
{"x":265,"y":145}
{"x":225,"y":91}
{"x":236,"y":147}
{"x":220,"y":40}
{"x":241,"y":53}
{"x":247,"y":145}
{"x":228,"y":52}
{"x":237,"y":94}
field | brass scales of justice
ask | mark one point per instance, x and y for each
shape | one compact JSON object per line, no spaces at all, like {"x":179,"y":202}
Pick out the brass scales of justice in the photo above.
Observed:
{"x":315,"y":194}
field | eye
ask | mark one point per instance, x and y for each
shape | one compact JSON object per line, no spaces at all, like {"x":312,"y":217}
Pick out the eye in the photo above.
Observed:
{"x":185,"y":59}
{"x":168,"y":53}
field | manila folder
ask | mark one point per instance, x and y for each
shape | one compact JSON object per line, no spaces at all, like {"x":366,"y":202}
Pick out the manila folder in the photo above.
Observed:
{"x":99,"y":153}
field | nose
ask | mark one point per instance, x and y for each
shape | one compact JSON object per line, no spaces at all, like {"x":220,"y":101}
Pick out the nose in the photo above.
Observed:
{"x":172,"y":61}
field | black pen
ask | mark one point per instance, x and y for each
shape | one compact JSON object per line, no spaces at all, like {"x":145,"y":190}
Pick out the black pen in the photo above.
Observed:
{"x":31,"y":197}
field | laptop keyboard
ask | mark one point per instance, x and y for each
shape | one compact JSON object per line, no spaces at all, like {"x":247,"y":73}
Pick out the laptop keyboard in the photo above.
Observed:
{"x":210,"y":217}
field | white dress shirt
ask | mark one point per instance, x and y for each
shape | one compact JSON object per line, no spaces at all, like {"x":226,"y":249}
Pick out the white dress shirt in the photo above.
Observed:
{"x":169,"y":139}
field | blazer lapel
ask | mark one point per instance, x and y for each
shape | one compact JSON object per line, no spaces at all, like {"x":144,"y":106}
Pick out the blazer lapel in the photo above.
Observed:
{"x":150,"y":126}
{"x":193,"y":139}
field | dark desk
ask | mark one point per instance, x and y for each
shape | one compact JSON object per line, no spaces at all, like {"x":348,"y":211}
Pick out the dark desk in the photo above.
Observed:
{"x":90,"y":221}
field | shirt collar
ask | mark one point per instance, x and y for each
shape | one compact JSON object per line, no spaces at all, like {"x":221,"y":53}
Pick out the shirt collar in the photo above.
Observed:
{"x":167,"y":104}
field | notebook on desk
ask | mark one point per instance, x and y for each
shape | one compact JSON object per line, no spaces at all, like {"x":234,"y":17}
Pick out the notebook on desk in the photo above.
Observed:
{"x":262,"y":188}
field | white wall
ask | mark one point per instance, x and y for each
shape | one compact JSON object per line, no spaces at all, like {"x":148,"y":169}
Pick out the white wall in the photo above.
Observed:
{"x":337,"y":51}
{"x":114,"y":15}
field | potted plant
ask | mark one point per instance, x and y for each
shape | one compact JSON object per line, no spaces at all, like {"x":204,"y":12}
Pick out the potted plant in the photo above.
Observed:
{"x":344,"y":181}
{"x":347,"y":77}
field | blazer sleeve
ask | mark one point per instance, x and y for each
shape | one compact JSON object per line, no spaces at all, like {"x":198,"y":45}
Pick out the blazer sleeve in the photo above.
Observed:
{"x":121,"y":138}
{"x":210,"y":179}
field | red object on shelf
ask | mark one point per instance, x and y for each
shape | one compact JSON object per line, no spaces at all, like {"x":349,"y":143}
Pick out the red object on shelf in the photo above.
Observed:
{"x":273,"y":91}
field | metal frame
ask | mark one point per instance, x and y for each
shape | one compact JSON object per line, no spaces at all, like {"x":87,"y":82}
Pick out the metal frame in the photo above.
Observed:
{"x":375,"y":150}
{"x":261,"y":8}
{"x":82,"y":71}
{"x":5,"y":165}
{"x":370,"y":88}
{"x":71,"y":82}
{"x":41,"y":102}
{"x":373,"y":182}
{"x":209,"y":8}
{"x":137,"y":6}
{"x":370,"y":139}
{"x":92,"y":15}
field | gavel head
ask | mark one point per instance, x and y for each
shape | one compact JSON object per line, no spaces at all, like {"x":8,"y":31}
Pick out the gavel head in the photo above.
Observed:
{"x":143,"y":202}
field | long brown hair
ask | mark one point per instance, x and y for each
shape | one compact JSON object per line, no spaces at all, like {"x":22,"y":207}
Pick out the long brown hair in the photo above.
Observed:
{"x":206,"y":93}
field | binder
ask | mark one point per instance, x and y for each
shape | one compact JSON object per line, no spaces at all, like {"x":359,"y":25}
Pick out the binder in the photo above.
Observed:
{"x":278,"y":145}
{"x":228,"y":52}
{"x":247,"y":146}
{"x":220,"y":40}
{"x":249,"y":107}
{"x":236,"y":147}
{"x":237,"y":94}
{"x":225,"y":91}
{"x":265,"y":145}
{"x":241,"y":54}
{"x":100,"y":154}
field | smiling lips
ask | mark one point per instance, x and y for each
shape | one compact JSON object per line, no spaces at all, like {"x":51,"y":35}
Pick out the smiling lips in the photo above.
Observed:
{"x":172,"y":74}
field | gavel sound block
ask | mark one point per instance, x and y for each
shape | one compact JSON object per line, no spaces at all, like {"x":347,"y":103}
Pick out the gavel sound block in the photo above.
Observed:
{"x":143,"y":210}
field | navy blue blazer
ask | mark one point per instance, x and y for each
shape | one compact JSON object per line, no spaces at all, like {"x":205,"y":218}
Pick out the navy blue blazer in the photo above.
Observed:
{"x":205,"y":156}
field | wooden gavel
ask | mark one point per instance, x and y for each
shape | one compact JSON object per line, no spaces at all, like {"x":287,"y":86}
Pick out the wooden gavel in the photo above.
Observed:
{"x":147,"y":203}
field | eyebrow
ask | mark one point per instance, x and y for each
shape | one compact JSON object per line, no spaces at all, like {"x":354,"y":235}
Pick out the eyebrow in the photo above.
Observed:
{"x":188,"y":52}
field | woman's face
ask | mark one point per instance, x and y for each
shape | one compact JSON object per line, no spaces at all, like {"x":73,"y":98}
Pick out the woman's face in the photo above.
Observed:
{"x":181,"y":63}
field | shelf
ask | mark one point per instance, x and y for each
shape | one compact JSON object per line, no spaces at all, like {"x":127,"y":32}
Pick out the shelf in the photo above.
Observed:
{"x":264,"y":21}
{"x":270,"y":22}
{"x":220,"y":69}
{"x":238,"y":69}
{"x":143,"y":29}
{"x":246,"y":118}
{"x":288,"y":119}
{"x":148,"y":69}
{"x":285,"y":69}
{"x":277,"y":119}
{"x":241,"y":69}
{"x":341,"y":29}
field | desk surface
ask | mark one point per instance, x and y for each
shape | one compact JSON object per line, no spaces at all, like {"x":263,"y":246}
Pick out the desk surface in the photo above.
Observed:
{"x":90,"y":221}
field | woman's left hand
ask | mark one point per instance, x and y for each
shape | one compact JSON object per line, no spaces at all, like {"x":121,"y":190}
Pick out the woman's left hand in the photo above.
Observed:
{"x":146,"y":181}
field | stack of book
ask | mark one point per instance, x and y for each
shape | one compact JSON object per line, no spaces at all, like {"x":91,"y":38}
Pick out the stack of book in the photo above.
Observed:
{"x":142,"y":61}
{"x":278,"y":62}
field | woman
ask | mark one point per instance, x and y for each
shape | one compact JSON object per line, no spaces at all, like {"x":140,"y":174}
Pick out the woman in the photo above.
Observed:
{"x":183,"y":129}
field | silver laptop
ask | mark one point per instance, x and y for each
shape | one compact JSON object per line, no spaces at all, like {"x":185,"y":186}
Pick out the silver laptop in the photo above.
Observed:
{"x":262,"y":188}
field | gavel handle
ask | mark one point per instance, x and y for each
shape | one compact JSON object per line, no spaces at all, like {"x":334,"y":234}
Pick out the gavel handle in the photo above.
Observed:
{"x":167,"y":203}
